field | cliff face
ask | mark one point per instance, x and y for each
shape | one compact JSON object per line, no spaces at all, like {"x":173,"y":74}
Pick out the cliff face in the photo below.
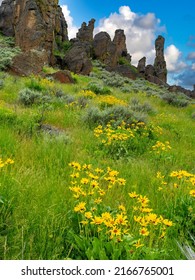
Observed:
{"x":36,"y":24}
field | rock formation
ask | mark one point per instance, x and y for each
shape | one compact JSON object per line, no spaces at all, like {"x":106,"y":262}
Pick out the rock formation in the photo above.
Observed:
{"x":141,"y":67}
{"x":7,"y":17}
{"x":85,"y":33}
{"x":36,"y":25}
{"x":160,"y":63}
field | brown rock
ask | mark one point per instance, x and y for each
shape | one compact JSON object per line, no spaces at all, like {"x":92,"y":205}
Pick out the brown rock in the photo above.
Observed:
{"x":105,"y":49}
{"x":127,"y":71}
{"x":141,"y":67}
{"x":28,"y":63}
{"x":160,"y":63}
{"x":63,"y":77}
{"x":77,"y":60}
{"x":120,"y":43}
{"x":85,"y":33}
{"x":6,"y":17}
{"x":35,"y":24}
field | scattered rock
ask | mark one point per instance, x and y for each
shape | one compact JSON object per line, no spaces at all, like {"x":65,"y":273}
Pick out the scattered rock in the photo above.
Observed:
{"x":63,"y":77}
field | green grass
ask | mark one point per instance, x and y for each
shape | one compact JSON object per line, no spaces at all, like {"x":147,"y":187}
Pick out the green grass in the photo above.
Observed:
{"x":37,"y":220}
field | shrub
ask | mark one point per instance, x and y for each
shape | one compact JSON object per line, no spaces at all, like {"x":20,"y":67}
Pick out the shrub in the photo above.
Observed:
{"x":98,"y":89}
{"x":28,"y":97}
{"x":94,"y":116}
{"x":178,"y":100}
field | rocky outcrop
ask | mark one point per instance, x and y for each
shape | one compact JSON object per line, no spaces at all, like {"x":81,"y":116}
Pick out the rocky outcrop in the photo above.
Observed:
{"x":160,"y":63}
{"x":108,"y":51}
{"x":85,"y":33}
{"x":120,"y":45}
{"x":30,"y":62}
{"x":36,"y":25}
{"x":77,"y":60}
{"x":7,"y":9}
{"x":190,"y":93}
{"x":141,"y":67}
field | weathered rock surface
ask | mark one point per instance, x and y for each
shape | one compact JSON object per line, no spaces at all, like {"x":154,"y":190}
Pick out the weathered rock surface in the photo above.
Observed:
{"x":7,"y":17}
{"x":160,"y":63}
{"x":85,"y":33}
{"x":190,"y":93}
{"x":63,"y":77}
{"x":30,"y":62}
{"x":35,"y":24}
{"x":141,"y":67}
{"x":77,"y":60}
{"x":127,"y":71}
{"x":108,"y":51}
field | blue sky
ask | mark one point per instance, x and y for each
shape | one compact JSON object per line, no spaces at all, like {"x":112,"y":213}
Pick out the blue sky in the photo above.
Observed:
{"x":142,"y":21}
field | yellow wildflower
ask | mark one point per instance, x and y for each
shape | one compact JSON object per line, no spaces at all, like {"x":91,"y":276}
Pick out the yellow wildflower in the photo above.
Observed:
{"x":144,"y":231}
{"x":192,"y":193}
{"x":80,"y":207}
{"x":138,"y":244}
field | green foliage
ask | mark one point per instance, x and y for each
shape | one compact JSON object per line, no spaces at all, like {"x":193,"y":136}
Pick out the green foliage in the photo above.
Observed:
{"x":28,"y":97}
{"x":7,"y":51}
{"x":98,"y":89}
{"x":176,"y":99}
{"x":62,"y":47}
{"x":58,"y":128}
{"x":94,"y":116}
{"x":123,"y":61}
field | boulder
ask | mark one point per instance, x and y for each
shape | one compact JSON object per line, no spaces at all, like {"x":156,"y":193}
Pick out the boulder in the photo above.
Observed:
{"x":105,"y":49}
{"x":63,"y":77}
{"x":28,"y":63}
{"x":127,"y":71}
{"x":77,"y":60}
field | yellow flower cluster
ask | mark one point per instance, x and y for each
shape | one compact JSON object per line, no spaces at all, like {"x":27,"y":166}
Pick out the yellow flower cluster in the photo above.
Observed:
{"x":182,"y":180}
{"x":110,"y":134}
{"x":87,"y":93}
{"x":147,"y":220}
{"x":45,"y":83}
{"x":185,"y":177}
{"x":90,"y":188}
{"x":109,"y":100}
{"x":6,"y":162}
{"x":161,"y":147}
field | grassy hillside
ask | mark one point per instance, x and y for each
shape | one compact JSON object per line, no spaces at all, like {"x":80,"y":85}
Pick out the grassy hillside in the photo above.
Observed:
{"x":101,"y":169}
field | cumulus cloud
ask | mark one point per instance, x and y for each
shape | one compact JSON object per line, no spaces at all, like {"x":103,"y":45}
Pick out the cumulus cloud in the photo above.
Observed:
{"x":174,"y":60}
{"x":140,"y":31}
{"x":72,"y":29}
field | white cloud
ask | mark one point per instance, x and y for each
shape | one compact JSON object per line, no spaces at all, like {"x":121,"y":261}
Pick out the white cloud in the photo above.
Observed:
{"x":173,"y":58}
{"x":193,"y":66}
{"x":72,"y":29}
{"x":140,"y":31}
